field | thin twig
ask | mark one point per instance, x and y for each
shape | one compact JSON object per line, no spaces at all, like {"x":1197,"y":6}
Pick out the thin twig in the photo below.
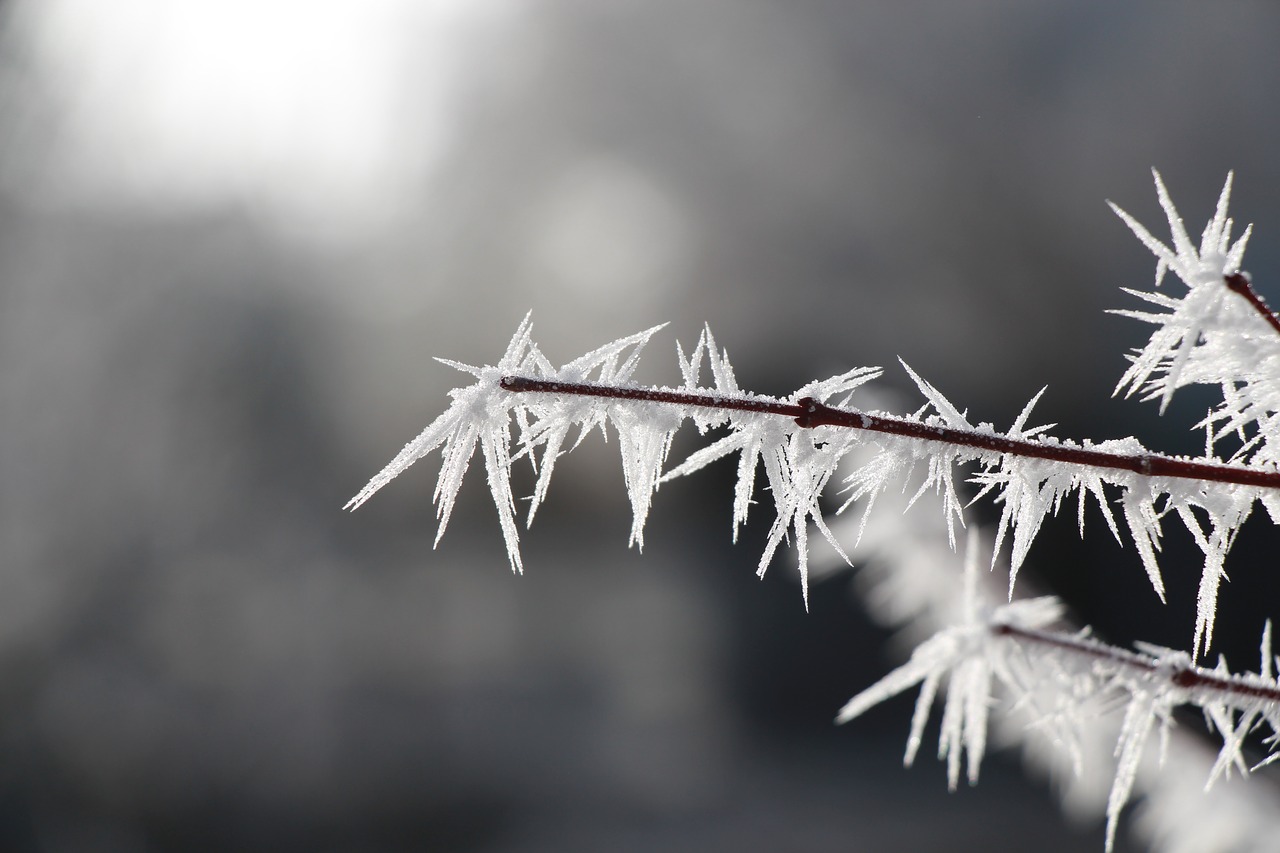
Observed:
{"x":1187,"y":676}
{"x":809,"y":413}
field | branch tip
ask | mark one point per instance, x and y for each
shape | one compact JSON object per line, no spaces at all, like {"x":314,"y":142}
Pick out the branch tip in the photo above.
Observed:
{"x":1240,"y":282}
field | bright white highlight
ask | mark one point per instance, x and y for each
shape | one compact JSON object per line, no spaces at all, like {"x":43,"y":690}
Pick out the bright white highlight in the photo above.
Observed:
{"x":312,"y":114}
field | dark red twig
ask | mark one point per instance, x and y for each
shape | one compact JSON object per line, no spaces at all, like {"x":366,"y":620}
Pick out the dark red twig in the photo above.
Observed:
{"x":809,"y":413}
{"x":1187,"y":677}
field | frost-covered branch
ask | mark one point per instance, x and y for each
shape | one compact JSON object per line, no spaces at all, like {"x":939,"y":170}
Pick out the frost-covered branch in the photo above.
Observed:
{"x":1175,"y":667}
{"x":1218,"y":332}
{"x":1062,"y":680}
{"x":801,"y":439}
{"x":1000,"y":454}
{"x":1066,"y":707}
{"x":810,"y":413}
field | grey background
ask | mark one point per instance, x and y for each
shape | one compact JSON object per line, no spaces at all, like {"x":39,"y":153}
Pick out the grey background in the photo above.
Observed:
{"x":200,"y":651}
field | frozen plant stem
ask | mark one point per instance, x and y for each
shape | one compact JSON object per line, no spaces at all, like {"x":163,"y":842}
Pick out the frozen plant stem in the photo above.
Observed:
{"x":809,"y":413}
{"x":1064,"y":687}
{"x":1218,"y":332}
{"x":1185,"y":676}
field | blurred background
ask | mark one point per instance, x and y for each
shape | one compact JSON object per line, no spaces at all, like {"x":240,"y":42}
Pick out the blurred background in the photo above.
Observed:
{"x":233,"y":235}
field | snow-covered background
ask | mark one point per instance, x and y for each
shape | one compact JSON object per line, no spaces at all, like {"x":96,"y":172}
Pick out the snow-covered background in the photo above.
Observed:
{"x":232,"y":235}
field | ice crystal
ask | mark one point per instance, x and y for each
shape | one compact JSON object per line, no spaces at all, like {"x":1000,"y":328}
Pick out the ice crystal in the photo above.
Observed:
{"x":480,"y":414}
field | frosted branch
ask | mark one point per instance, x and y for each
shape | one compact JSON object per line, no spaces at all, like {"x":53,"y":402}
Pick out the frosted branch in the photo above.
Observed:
{"x":810,"y":413}
{"x":1060,"y":683}
{"x":1204,"y":336}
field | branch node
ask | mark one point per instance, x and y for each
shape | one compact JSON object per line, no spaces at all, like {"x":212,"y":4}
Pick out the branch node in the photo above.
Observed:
{"x":809,"y":418}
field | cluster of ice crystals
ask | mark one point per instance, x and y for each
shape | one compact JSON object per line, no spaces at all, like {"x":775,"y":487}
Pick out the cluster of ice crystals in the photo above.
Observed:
{"x":1170,"y":359}
{"x":1065,"y":685}
{"x":1061,"y":684}
{"x":1210,"y":334}
{"x":797,"y":462}
{"x":480,"y":414}
{"x":966,"y":653}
